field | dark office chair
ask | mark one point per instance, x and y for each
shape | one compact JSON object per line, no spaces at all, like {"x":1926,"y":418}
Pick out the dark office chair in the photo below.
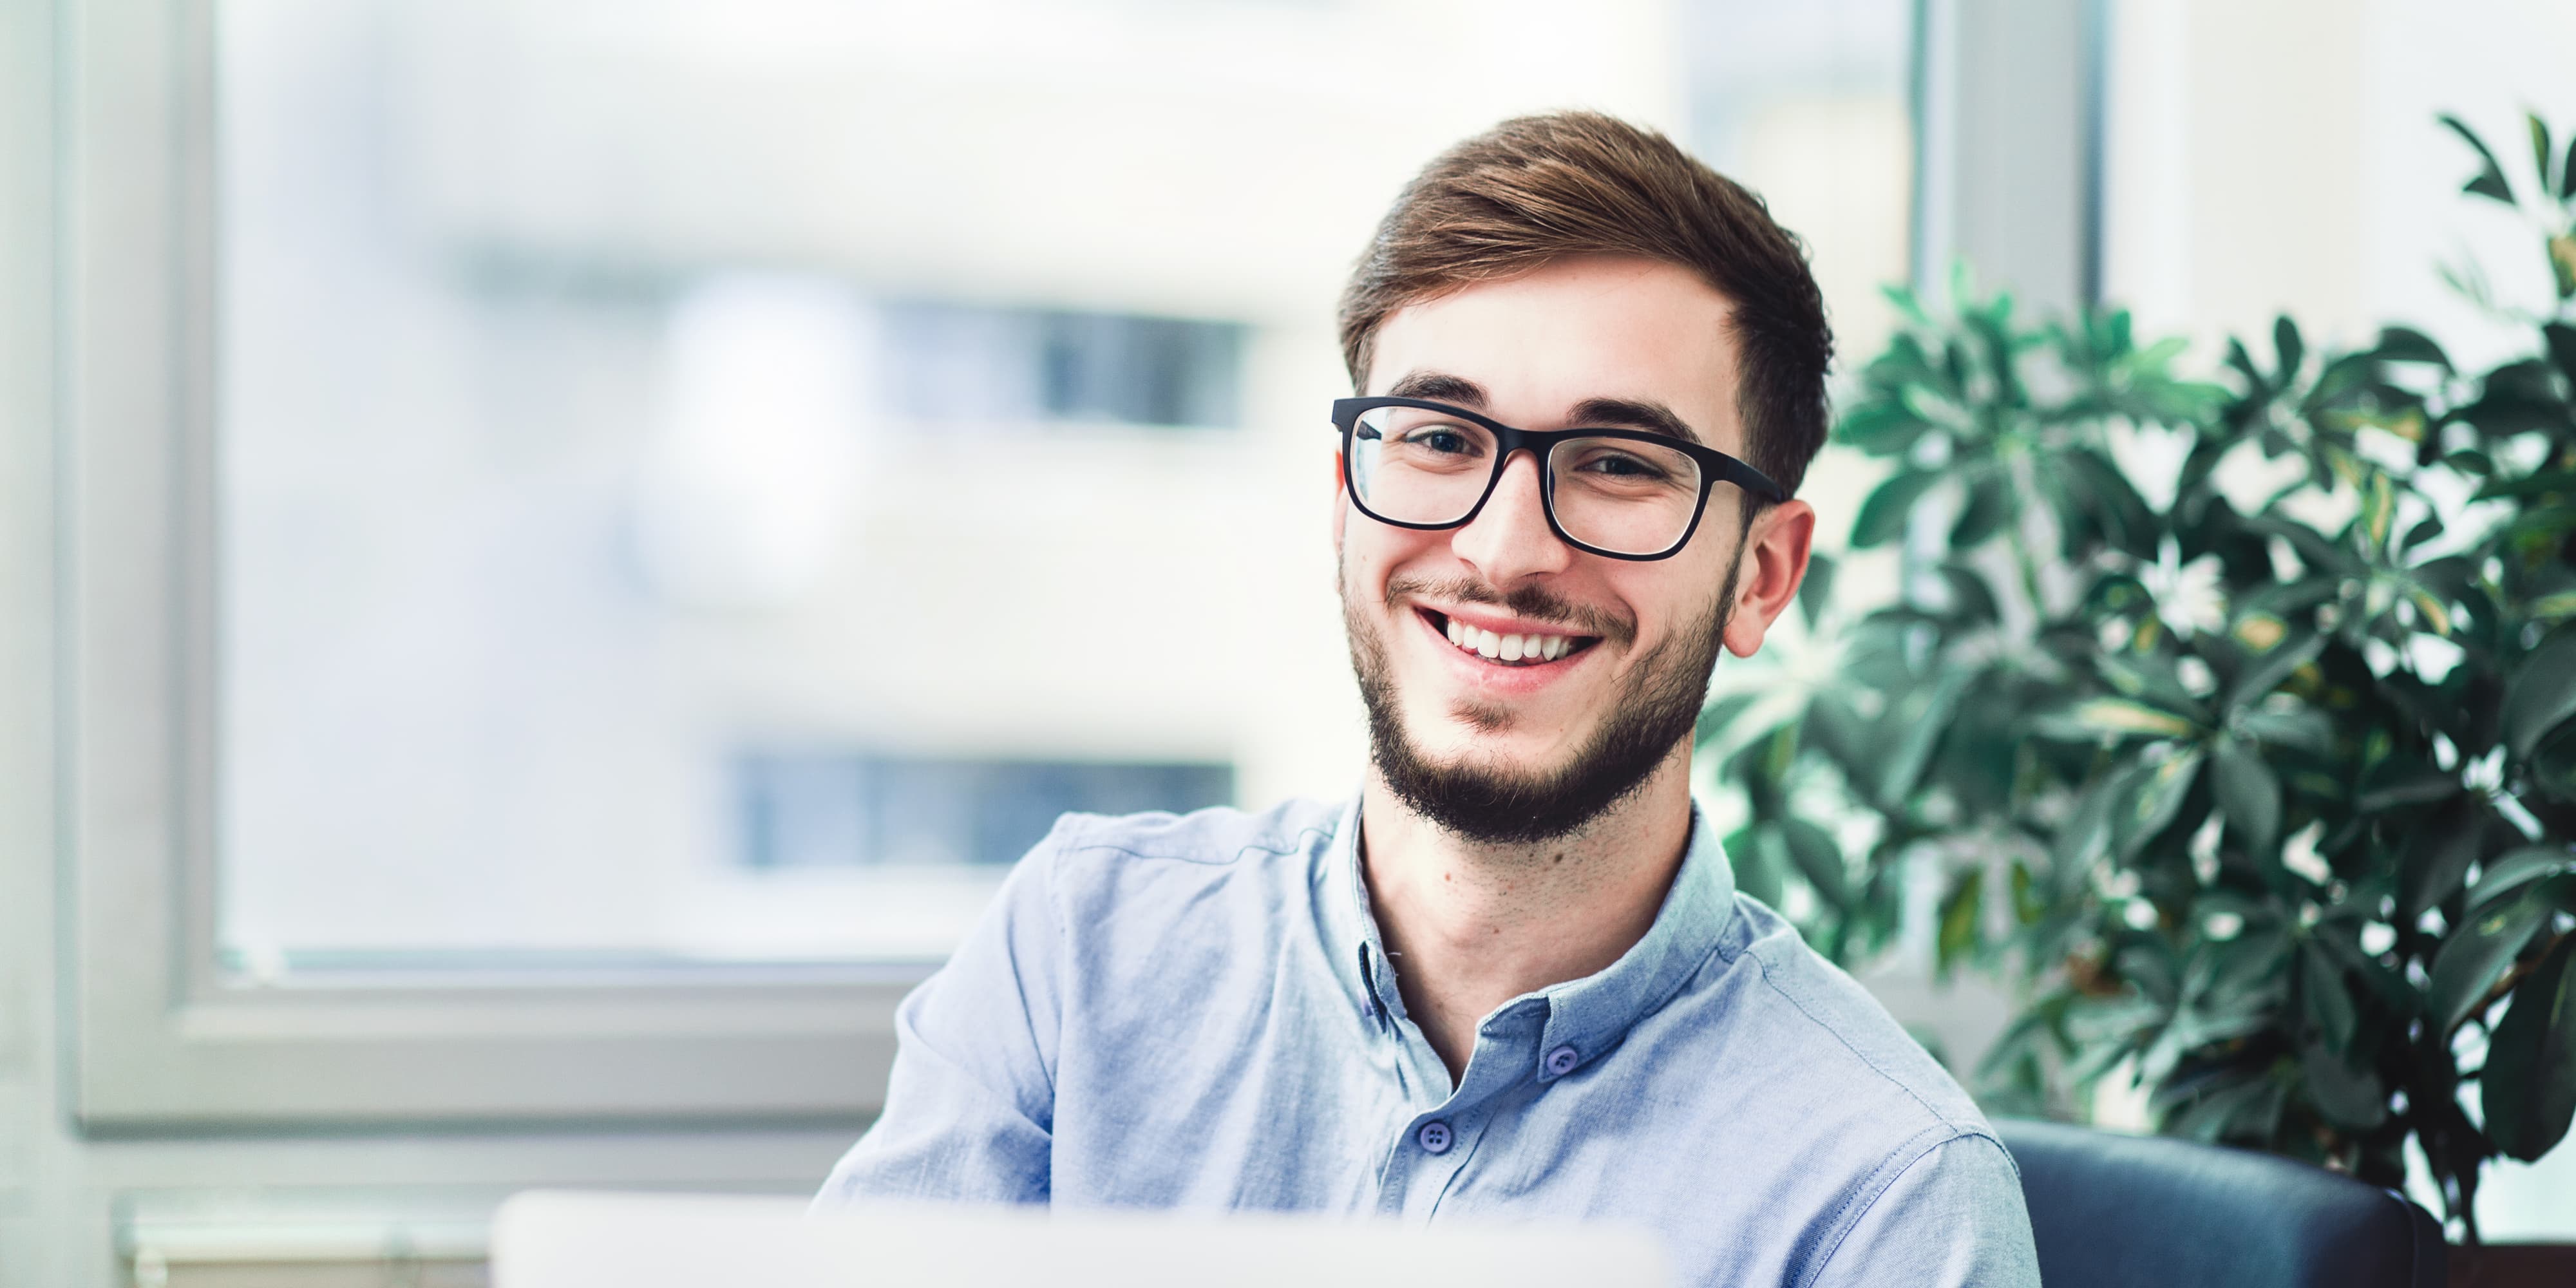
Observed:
{"x":2111,"y":1211}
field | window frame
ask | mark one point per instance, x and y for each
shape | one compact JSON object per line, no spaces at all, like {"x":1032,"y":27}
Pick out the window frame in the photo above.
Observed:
{"x":163,"y":1038}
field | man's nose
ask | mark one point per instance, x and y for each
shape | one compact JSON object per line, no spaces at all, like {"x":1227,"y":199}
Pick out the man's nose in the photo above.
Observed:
{"x":1509,"y":539}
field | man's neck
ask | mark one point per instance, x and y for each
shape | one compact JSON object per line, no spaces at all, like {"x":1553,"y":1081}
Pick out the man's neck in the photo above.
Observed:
{"x":1472,"y":926}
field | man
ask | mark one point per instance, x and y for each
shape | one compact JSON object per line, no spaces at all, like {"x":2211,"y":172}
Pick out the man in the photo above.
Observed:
{"x":1513,"y":978}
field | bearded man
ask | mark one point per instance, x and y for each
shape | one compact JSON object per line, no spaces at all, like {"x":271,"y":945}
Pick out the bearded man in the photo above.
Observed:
{"x":1512,"y":978}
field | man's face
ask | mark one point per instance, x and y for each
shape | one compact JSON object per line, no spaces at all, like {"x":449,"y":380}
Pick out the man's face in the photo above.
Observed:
{"x":1522,"y":751}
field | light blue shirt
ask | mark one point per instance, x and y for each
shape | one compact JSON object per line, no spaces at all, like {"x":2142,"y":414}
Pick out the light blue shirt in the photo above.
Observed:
{"x":1197,"y":1012}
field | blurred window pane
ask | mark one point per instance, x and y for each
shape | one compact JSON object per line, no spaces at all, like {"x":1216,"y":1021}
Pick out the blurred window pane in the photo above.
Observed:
{"x":1809,"y":104}
{"x":956,"y":363}
{"x":850,"y":810}
{"x":551,"y":480}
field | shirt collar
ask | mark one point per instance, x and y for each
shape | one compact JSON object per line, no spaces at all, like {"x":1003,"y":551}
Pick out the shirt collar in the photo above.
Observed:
{"x":1590,"y":1014}
{"x":1350,"y":929}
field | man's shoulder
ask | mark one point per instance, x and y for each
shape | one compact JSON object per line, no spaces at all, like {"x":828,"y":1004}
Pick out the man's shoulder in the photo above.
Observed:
{"x":1151,"y":908}
{"x":1832,"y":1041}
{"x":1216,"y":837}
{"x":1139,"y":863}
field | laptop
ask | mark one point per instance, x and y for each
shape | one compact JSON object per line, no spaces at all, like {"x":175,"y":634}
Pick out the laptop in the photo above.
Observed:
{"x":566,"y":1239}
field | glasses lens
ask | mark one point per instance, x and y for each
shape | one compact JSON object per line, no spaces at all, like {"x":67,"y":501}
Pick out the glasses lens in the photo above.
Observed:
{"x":1416,"y":465}
{"x":1623,"y":494}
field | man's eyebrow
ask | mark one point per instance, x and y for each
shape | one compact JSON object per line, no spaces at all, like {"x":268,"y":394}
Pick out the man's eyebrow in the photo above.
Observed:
{"x":1631,"y":413}
{"x":1435,"y":386}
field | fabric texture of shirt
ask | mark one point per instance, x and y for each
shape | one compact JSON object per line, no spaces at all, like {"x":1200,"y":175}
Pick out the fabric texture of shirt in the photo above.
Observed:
{"x":1197,"y":1012}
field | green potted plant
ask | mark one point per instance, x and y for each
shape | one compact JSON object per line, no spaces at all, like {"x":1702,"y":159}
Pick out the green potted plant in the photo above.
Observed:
{"x":2238,"y":722}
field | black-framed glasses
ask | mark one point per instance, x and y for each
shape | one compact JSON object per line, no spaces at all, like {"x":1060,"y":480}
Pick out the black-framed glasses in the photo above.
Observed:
{"x":1623,"y":493}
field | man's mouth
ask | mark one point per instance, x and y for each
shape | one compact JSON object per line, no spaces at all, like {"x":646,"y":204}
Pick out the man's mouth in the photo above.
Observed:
{"x":1530,"y":649}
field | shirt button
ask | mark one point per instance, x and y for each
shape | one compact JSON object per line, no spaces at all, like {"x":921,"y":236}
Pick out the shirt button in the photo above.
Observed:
{"x":1434,"y":1137}
{"x":1561,"y":1061}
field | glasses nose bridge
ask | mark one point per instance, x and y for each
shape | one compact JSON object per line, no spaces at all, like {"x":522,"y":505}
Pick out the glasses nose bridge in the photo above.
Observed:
{"x":1502,"y":502}
{"x":1519,"y":447}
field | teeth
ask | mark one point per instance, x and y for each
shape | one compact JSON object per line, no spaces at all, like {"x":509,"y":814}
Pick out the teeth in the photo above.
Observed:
{"x":1509,"y":648}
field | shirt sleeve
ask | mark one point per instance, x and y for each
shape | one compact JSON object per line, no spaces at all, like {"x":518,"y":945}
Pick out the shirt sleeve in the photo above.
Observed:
{"x":1954,"y":1217}
{"x":970,"y":1106}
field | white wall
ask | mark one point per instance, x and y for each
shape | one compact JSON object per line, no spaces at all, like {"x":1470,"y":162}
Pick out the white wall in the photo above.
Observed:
{"x":2282,"y":155}
{"x":30,"y":1139}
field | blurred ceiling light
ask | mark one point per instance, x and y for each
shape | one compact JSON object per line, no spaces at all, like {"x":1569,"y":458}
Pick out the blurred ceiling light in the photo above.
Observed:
{"x":745,"y":493}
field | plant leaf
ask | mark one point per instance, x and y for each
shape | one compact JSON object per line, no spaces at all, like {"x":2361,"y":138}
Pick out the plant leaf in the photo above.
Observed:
{"x":1819,"y":859}
{"x":2150,"y":678}
{"x":2560,"y":339}
{"x":2378,"y":509}
{"x":2105,"y":496}
{"x":2303,"y":727}
{"x":2476,"y":955}
{"x":1971,"y":599}
{"x":2267,"y":671}
{"x":2553,"y":768}
{"x":2542,"y":484}
{"x":2214,"y":1116}
{"x":2437,"y":857}
{"x":2249,"y":794}
{"x":2094,"y":717}
{"x":1905,"y":765}
{"x":1882,"y":516}
{"x":1881,"y":428}
{"x":2402,"y":780}
{"x":2515,"y":869}
{"x":2291,"y":350}
{"x":1989,"y":504}
{"x":2490,"y":181}
{"x":2159,"y":797}
{"x":2406,"y":344}
{"x":1959,"y":912}
{"x":2543,"y":696}
{"x":2348,"y":1097}
{"x":2328,"y":1002}
{"x":2543,"y":156}
{"x":1816,"y":590}
{"x":2529,"y":1087}
{"x":1721,"y":712}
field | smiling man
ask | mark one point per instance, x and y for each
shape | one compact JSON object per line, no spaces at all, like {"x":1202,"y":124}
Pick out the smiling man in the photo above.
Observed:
{"x":1512,"y":978}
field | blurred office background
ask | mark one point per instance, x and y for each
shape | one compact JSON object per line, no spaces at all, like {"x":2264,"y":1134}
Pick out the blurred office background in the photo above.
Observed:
{"x":554,"y":552}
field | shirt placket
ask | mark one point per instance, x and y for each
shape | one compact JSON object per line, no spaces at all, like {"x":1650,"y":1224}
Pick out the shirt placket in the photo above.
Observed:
{"x":1435,"y":1145}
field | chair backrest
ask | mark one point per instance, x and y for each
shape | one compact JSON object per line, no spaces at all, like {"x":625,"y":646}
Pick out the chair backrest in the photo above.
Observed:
{"x":2109,"y":1210}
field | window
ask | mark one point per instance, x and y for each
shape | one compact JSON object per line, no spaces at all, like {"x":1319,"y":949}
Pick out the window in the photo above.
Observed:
{"x":491,"y":661}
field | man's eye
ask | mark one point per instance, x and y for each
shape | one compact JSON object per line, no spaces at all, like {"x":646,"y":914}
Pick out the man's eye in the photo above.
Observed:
{"x":1443,"y":439}
{"x":1624,"y":466}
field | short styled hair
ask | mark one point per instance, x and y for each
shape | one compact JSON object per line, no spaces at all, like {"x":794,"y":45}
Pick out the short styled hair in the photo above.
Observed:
{"x":1538,"y":189}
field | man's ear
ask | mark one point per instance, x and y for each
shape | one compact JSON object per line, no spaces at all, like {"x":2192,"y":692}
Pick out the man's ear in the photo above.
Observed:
{"x":1341,"y":509}
{"x":1774,"y":563}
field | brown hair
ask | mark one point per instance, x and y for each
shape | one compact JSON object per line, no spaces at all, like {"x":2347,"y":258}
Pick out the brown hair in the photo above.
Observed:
{"x":1537,"y":189}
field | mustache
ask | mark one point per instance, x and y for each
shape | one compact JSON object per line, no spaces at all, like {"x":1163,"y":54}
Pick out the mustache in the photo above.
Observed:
{"x":1534,"y":602}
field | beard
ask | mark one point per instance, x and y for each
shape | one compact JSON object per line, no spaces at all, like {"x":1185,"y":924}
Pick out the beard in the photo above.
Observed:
{"x":1480,"y":801}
